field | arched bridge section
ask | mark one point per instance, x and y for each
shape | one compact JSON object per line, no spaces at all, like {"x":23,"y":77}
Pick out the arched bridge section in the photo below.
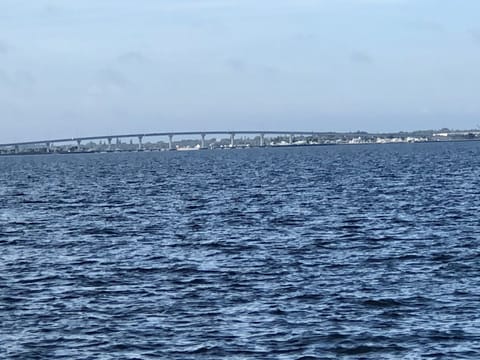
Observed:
{"x":77,"y":141}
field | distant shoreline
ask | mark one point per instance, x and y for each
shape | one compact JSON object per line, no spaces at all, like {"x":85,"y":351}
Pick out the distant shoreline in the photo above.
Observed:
{"x":36,"y":153}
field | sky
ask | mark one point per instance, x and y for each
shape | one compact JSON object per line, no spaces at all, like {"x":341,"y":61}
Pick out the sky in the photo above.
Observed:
{"x":93,"y":67}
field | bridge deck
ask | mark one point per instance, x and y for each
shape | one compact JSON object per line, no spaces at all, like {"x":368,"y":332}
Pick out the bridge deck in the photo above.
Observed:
{"x":157,"y":134}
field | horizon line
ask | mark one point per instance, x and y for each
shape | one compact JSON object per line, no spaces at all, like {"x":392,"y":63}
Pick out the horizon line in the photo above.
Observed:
{"x":141,"y":135}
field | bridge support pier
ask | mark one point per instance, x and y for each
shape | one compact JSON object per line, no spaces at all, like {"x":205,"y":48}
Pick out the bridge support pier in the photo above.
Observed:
{"x":262,"y":140}
{"x":232,"y":140}
{"x":290,"y":139}
{"x":109,"y":140}
{"x":17,"y":149}
{"x":140,"y":143}
{"x":79,"y":143}
{"x":202,"y":145}
{"x":48,"y":147}
{"x":170,"y":142}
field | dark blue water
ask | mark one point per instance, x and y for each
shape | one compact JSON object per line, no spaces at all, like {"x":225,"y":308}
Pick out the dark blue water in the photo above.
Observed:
{"x":355,"y":252}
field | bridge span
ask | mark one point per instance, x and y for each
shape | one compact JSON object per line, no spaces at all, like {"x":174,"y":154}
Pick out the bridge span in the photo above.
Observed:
{"x":77,"y":141}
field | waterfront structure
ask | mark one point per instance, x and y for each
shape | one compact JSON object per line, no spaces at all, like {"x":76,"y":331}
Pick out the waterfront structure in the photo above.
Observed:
{"x":107,"y":143}
{"x":76,"y":142}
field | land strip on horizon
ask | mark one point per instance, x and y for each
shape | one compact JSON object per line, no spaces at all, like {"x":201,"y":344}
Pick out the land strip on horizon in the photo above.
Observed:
{"x":235,"y":139}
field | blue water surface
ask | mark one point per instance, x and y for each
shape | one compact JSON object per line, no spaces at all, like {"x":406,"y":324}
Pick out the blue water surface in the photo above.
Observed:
{"x":354,"y":252}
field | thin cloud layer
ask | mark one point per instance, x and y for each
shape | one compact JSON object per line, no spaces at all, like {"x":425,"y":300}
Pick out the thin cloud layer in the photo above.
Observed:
{"x":132,"y":58}
{"x":202,"y":64}
{"x":361,"y":57}
{"x":475,"y":35}
{"x":4,"y":48}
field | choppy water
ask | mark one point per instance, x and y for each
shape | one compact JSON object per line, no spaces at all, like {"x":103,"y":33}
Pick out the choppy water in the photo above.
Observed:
{"x":302,"y":253}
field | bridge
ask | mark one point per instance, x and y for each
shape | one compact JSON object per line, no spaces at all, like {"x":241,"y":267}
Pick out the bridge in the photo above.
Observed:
{"x":170,"y":135}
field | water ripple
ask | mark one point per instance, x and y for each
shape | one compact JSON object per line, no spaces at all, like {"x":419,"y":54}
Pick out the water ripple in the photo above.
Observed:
{"x":354,"y":252}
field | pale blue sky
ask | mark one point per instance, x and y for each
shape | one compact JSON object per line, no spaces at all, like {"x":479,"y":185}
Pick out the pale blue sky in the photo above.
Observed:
{"x":76,"y":68}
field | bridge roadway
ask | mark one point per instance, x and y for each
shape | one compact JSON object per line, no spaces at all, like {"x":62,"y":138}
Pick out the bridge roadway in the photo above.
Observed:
{"x":141,"y":136}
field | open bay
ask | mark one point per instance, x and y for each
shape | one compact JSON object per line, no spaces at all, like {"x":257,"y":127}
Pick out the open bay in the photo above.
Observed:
{"x":368,"y":251}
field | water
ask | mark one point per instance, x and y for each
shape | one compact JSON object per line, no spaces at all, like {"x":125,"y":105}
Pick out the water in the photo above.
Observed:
{"x":355,"y":252}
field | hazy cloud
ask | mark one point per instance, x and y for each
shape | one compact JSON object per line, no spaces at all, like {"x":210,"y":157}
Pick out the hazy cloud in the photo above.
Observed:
{"x":361,"y":57}
{"x":475,"y":33}
{"x":239,"y":66}
{"x":303,"y":37}
{"x":111,"y":77}
{"x":51,"y":9}
{"x":4,"y":79}
{"x":429,"y":26}
{"x":132,"y":57}
{"x":109,"y":81}
{"x":236,"y":65}
{"x":269,"y":70}
{"x":24,"y":79}
{"x":4,"y":48}
{"x":378,"y":2}
{"x":17,"y":84}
